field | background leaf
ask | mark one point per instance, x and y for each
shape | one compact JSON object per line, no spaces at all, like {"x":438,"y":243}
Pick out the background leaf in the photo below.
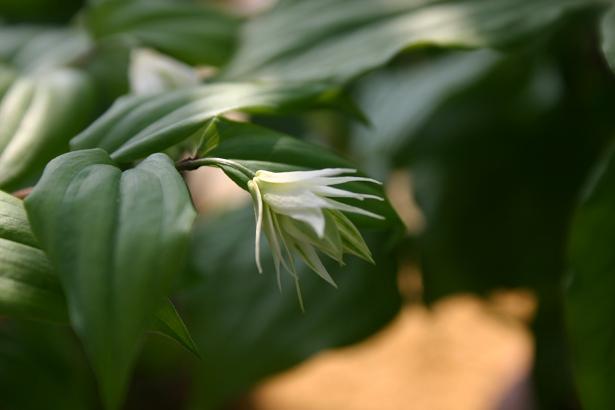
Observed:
{"x":40,"y":113}
{"x":348,"y":37}
{"x":246,"y":329}
{"x":47,"y":360}
{"x":589,"y":300}
{"x":608,"y":36}
{"x":140,"y":125}
{"x":192,"y":33}
{"x":117,"y":239}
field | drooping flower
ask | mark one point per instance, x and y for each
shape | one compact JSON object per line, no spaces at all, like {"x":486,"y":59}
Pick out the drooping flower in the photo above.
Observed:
{"x":299,"y":215}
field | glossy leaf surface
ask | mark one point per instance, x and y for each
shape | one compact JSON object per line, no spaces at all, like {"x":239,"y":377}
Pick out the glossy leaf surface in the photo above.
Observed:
{"x":140,"y":125}
{"x":117,"y":240}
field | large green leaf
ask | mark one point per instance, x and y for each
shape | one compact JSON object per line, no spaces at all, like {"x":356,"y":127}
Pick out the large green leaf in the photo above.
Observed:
{"x":260,"y":148}
{"x":608,"y":36}
{"x":136,"y":126}
{"x":194,"y":34}
{"x":39,"y":114}
{"x":117,"y":240}
{"x":589,"y":299}
{"x":30,"y":288}
{"x":339,"y":39}
{"x":247,"y":329}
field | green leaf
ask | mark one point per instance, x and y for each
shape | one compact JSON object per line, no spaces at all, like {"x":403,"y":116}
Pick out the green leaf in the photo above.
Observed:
{"x":589,"y":297}
{"x":30,"y":288}
{"x":116,"y":239}
{"x":40,"y":113}
{"x":194,"y":34}
{"x":52,"y":48}
{"x":261,"y":148}
{"x":13,"y":37}
{"x":169,"y":323}
{"x":607,"y":28}
{"x":7,"y":76}
{"x":43,"y":368}
{"x":247,"y":330}
{"x":136,"y":126}
{"x":402,"y":98}
{"x":340,"y":39}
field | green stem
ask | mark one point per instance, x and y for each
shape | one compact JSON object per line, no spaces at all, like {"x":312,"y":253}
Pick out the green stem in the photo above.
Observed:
{"x":192,"y":164}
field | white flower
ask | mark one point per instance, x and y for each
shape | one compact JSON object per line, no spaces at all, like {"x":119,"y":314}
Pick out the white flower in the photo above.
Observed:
{"x":298,"y":214}
{"x":151,"y":72}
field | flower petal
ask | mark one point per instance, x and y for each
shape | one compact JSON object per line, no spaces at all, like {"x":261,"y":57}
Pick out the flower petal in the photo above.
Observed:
{"x":311,"y":259}
{"x":342,"y":193}
{"x":332,"y":204}
{"x":258,"y":201}
{"x":342,"y":180}
{"x":351,"y":237}
{"x":306,"y":207}
{"x":297,"y":176}
{"x":330,"y":243}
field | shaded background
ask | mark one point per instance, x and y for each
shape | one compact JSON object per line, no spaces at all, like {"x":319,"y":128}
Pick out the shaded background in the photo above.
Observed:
{"x":485,"y":155}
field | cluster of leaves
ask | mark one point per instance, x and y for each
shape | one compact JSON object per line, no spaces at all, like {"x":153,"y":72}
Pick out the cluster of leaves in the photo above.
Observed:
{"x":501,"y":139}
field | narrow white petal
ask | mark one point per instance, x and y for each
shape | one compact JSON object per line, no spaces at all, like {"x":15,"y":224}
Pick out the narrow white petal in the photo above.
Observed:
{"x":306,"y":207}
{"x":289,"y":262}
{"x":342,"y":180}
{"x":314,"y":217}
{"x":342,"y":193}
{"x":274,"y":243}
{"x":297,"y":176}
{"x":332,"y":204}
{"x":259,"y":223}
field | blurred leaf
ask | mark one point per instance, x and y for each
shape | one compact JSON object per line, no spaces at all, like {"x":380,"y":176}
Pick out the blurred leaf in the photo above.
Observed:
{"x":496,"y":184}
{"x":51,"y":48}
{"x":43,"y":11}
{"x":7,"y":76}
{"x":246,"y":329}
{"x":589,"y":296}
{"x":13,"y":37}
{"x":39,"y":114}
{"x":42,"y":367}
{"x":496,"y":171}
{"x":340,"y":39}
{"x":136,"y":126}
{"x":401,"y":98}
{"x":608,"y":36}
{"x":261,"y":148}
{"x":194,"y":34}
{"x":117,"y":240}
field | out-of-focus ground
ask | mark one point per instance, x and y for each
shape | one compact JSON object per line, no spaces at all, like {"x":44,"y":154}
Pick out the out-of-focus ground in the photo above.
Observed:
{"x":463,"y":353}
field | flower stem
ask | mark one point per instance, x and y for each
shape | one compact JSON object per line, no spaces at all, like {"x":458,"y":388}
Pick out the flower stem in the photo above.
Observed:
{"x":192,"y":164}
